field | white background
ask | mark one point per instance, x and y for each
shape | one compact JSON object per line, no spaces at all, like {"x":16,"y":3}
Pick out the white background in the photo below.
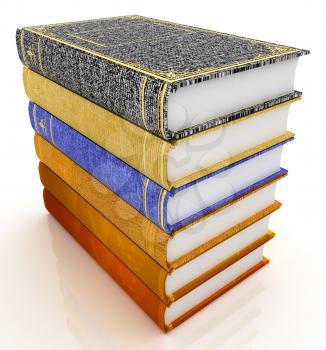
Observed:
{"x":53,"y":296}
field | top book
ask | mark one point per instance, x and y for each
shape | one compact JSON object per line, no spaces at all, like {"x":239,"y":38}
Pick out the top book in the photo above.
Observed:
{"x":170,"y":79}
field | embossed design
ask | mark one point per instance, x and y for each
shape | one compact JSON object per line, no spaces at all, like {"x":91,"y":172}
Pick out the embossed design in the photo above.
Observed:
{"x":168,"y":51}
{"x":42,"y":124}
{"x":31,"y":54}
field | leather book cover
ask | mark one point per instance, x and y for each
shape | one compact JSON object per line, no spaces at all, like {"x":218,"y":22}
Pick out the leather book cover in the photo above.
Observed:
{"x":140,"y":60}
{"x":135,"y":226}
{"x":146,"y":268}
{"x":145,"y":195}
{"x":127,"y":280}
{"x":141,"y":150}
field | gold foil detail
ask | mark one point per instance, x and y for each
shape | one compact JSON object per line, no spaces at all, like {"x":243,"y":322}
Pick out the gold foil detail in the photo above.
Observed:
{"x":51,"y":117}
{"x":39,"y":50}
{"x":142,"y":99}
{"x":170,"y":76}
{"x":22,"y":33}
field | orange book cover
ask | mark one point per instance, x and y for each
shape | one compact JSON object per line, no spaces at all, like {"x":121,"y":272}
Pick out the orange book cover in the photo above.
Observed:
{"x":133,"y":286}
{"x":136,"y":259}
{"x":146,"y":235}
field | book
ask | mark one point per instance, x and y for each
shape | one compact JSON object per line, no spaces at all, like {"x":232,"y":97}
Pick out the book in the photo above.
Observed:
{"x":169,"y":285}
{"x":170,"y":79}
{"x":167,"y":317}
{"x":171,"y":163}
{"x":169,"y":250}
{"x":173,"y":209}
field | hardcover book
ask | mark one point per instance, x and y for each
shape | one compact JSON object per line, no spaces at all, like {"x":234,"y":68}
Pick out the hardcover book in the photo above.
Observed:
{"x":170,"y":79}
{"x":169,"y":250}
{"x":170,"y":163}
{"x":165,"y":316}
{"x":170,"y":210}
{"x":168,"y":285}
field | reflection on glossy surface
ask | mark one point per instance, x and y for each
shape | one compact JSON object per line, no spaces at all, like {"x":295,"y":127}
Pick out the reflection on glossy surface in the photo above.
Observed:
{"x":100,"y":314}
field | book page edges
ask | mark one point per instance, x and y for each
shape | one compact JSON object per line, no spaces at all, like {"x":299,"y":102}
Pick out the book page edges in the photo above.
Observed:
{"x":134,"y":225}
{"x":138,"y":148}
{"x":216,"y":295}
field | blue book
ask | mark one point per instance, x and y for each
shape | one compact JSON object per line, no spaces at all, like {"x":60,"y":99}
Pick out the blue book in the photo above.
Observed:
{"x":170,"y":210}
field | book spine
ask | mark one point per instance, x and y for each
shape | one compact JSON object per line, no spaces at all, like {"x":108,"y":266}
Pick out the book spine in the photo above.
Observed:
{"x":127,"y":280}
{"x":136,"y":189}
{"x":132,"y":95}
{"x":136,"y":147}
{"x":149,"y":271}
{"x":128,"y":220}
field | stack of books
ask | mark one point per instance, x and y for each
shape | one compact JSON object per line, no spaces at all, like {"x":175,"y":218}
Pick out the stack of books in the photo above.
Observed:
{"x":160,"y":148}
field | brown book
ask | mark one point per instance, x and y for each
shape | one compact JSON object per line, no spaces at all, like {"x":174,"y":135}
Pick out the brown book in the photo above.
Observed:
{"x":155,"y":308}
{"x":168,"y":285}
{"x":169,"y":251}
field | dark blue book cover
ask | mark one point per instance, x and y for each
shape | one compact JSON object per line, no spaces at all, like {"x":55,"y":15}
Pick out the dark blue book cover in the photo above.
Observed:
{"x":143,"y":194}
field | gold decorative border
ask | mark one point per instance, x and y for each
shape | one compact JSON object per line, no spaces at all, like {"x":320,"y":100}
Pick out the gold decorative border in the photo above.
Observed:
{"x":167,"y":76}
{"x":142,"y":99}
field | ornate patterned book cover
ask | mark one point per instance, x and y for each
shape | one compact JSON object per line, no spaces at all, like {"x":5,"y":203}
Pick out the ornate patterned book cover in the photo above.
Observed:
{"x":131,"y":284}
{"x":149,"y":271}
{"x":128,"y":220}
{"x":143,"y":194}
{"x":129,"y":65}
{"x":141,"y":150}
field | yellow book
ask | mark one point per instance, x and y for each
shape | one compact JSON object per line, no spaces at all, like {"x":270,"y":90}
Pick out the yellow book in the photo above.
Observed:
{"x":171,"y":163}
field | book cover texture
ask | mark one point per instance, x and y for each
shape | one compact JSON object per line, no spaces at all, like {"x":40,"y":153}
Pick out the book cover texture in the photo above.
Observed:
{"x":141,"y":150}
{"x":148,"y":270}
{"x":127,"y":280}
{"x":134,"y":225}
{"x":143,"y":194}
{"x":129,"y":65}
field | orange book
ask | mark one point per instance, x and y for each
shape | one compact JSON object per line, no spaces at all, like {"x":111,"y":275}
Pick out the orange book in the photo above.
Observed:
{"x":165,"y":316}
{"x":169,"y":285}
{"x":170,"y":251}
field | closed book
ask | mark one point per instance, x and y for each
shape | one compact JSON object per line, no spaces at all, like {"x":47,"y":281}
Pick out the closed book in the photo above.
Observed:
{"x":168,"y":209}
{"x":168,"y":285}
{"x":169,"y":163}
{"x":170,"y":251}
{"x":170,"y":79}
{"x":165,"y":316}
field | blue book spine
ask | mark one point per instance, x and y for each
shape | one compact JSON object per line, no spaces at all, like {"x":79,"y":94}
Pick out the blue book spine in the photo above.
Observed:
{"x":143,"y":194}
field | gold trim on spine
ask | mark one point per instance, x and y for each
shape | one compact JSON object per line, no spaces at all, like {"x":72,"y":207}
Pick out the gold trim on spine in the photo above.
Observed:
{"x":162,"y":209}
{"x":39,"y":49}
{"x":159,"y":202}
{"x":22,"y":33}
{"x":52,"y":138}
{"x":142,"y":99}
{"x":145,"y":196}
{"x":34,"y":116}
